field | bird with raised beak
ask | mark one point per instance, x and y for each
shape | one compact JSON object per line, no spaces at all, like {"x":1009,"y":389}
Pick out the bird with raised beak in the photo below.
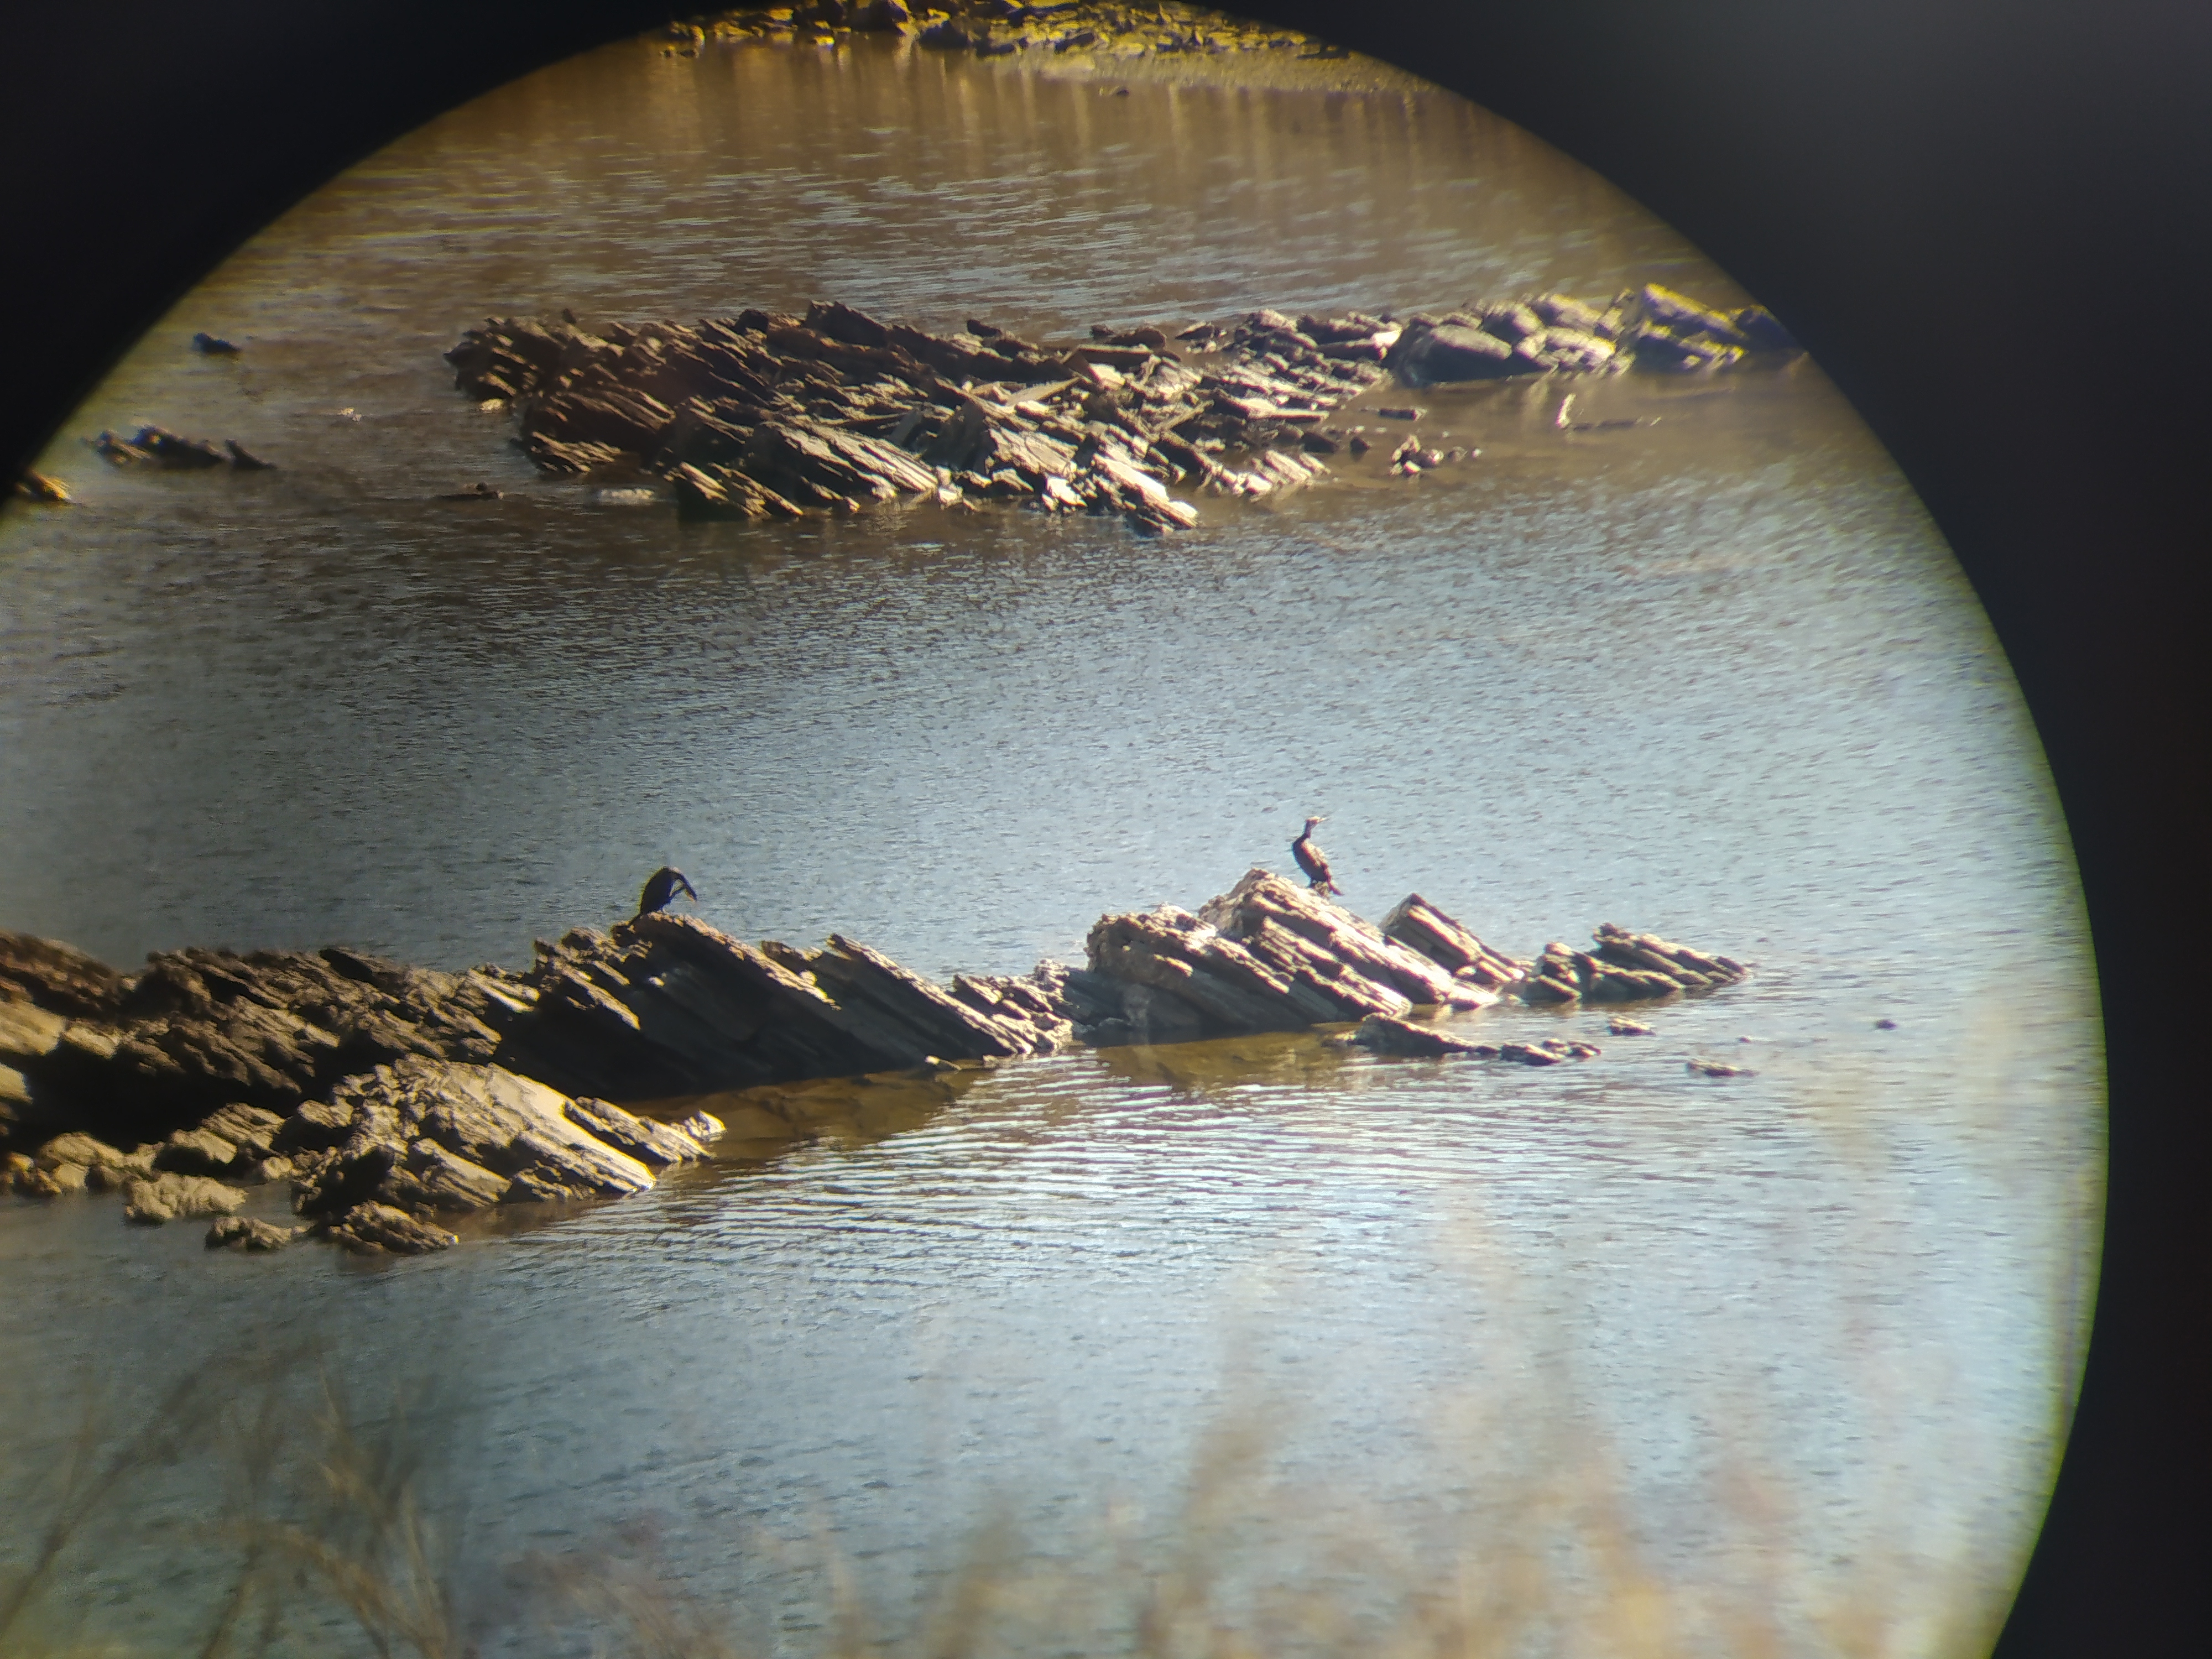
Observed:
{"x":1313,"y":860}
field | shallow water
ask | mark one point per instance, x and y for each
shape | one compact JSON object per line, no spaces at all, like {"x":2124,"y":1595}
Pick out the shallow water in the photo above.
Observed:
{"x":1714,"y":676}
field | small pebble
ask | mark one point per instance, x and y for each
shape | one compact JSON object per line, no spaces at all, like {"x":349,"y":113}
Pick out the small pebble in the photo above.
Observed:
{"x":1885,"y":1025}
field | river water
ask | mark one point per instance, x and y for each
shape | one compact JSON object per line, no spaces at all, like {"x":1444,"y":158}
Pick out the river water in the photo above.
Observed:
{"x":1802,"y":1341}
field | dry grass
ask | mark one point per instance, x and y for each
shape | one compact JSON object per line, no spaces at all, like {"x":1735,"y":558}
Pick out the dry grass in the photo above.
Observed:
{"x":331,"y":1549}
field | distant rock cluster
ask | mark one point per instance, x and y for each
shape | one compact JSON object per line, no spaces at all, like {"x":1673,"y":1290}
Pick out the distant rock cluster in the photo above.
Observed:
{"x":389,"y":1097}
{"x":1648,"y":328}
{"x":767,"y":415}
{"x":1001,"y":28}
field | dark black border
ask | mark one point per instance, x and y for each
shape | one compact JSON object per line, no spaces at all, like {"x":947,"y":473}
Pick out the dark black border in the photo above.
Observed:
{"x":1989,"y":219}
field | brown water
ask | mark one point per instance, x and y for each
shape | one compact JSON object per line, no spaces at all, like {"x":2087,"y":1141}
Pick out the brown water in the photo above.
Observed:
{"x":1715,"y":676}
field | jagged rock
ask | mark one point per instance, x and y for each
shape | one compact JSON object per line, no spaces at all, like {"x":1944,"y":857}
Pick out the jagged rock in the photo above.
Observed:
{"x":428,"y":1135}
{"x":380,"y":1230}
{"x":200,"y":1030}
{"x":174,"y":1197}
{"x":1685,"y":317}
{"x":1417,"y":923}
{"x":239,"y":1233}
{"x":59,"y":978}
{"x":724,"y":492}
{"x":1691,"y":969}
{"x":667,"y":1004}
{"x":1265,"y":955}
{"x":1284,"y":923}
{"x":1625,"y":968}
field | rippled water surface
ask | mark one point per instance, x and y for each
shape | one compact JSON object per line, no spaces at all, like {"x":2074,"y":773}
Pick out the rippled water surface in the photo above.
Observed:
{"x":1813,"y":1332}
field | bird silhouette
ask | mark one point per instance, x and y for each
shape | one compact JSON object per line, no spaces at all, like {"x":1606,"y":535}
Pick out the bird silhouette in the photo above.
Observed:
{"x":1313,"y":860}
{"x":660,"y":887}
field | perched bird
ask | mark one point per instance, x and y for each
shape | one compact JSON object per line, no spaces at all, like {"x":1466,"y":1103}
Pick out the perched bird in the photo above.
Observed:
{"x":1313,"y":860}
{"x":660,"y":887}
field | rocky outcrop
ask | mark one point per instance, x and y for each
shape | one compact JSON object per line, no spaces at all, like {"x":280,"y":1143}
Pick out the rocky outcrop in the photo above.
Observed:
{"x":1625,"y":967}
{"x":427,"y":1136}
{"x":381,"y":1090}
{"x":1062,"y":32}
{"x":239,"y":1232}
{"x":772,"y":415}
{"x":1647,"y":328}
{"x":1267,"y":955}
{"x":161,"y":1198}
{"x":158,"y":446}
{"x":201,"y":1030}
{"x":667,"y":1004}
{"x":380,"y":1230}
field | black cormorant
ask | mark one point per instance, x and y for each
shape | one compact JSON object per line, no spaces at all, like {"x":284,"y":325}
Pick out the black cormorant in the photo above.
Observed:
{"x":1313,"y":860}
{"x":660,"y":887}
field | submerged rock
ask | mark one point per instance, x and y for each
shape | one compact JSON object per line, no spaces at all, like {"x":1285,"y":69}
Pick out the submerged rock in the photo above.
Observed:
{"x":174,"y":1197}
{"x":1388,"y":1036}
{"x":242,"y":1233}
{"x":1717,"y":1068}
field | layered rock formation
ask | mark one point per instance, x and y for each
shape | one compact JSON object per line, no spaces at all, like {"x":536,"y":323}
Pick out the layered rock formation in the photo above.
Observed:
{"x":389,"y":1096}
{"x":1625,"y":968}
{"x":768,"y":415}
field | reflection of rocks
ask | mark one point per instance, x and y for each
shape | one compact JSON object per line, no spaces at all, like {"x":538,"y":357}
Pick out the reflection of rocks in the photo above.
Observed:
{"x":1625,"y":967}
{"x":1383,"y":1034}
